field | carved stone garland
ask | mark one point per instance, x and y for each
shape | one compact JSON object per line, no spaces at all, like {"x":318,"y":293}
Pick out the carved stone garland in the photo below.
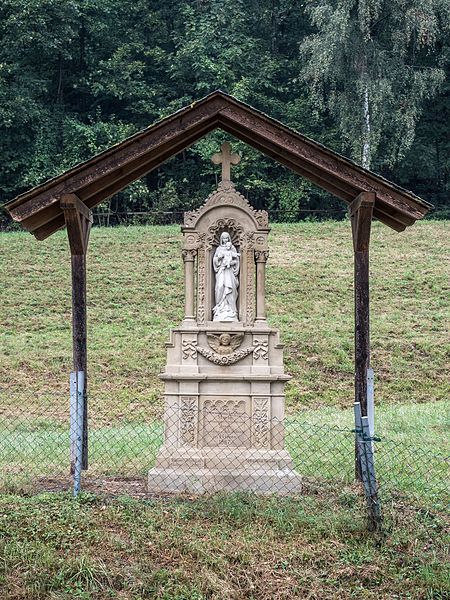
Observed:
{"x":259,"y":350}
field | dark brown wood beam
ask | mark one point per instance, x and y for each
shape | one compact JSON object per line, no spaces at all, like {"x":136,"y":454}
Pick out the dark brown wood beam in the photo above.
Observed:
{"x":38,"y":208}
{"x":322,"y":158}
{"x":397,"y":221}
{"x":42,"y":233}
{"x":47,"y":214}
{"x":44,"y":223}
{"x":78,"y":220}
{"x":361,"y":212}
{"x":144,"y":164}
{"x":307,"y":158}
{"x":139,"y":145}
{"x":119,"y":184}
{"x":343,"y":192}
{"x":398,"y":218}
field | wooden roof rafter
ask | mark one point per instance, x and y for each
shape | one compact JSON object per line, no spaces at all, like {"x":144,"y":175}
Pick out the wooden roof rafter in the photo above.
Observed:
{"x":102,"y":176}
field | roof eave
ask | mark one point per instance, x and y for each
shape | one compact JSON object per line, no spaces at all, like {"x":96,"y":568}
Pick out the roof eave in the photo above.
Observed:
{"x":38,"y":209}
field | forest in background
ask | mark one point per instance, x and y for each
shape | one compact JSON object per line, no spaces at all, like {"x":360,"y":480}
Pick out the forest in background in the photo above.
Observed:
{"x":368,"y":78}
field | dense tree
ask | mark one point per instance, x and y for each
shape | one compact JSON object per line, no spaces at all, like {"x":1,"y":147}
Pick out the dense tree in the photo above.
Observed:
{"x":368,"y":64}
{"x":79,"y":75}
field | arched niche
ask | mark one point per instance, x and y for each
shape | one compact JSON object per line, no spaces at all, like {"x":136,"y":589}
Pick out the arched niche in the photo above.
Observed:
{"x":225,"y":210}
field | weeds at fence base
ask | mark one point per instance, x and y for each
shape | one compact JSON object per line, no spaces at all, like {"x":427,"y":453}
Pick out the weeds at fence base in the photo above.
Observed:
{"x":344,"y":495}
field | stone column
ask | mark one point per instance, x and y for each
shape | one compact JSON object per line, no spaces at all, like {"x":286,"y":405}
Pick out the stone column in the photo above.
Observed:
{"x":188,"y":258}
{"x":261,"y":257}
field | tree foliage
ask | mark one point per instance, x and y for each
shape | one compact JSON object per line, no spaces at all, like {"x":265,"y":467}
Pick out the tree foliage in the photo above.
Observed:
{"x":79,"y":75}
{"x":368,"y":63}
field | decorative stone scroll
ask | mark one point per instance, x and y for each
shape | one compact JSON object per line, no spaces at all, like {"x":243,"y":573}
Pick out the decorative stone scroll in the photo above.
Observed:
{"x":260,"y":349}
{"x":261,"y":422}
{"x":189,"y":349}
{"x":188,"y":410}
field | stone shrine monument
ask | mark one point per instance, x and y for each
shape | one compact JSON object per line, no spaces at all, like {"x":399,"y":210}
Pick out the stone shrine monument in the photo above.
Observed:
{"x":224,"y":376}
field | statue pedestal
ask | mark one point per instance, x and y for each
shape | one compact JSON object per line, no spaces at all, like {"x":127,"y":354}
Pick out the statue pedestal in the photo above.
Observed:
{"x":224,"y":414}
{"x":224,"y":381}
{"x":222,"y":469}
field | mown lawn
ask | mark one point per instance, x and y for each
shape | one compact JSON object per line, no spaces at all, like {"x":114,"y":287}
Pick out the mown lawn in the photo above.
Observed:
{"x":135,"y":295}
{"x":223,"y":548}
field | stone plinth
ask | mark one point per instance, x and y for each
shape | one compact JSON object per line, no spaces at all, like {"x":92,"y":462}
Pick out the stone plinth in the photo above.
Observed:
{"x":224,"y":381}
{"x":224,"y":414}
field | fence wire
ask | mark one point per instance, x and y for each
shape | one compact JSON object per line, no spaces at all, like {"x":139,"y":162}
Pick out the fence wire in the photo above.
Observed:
{"x":187,"y":450}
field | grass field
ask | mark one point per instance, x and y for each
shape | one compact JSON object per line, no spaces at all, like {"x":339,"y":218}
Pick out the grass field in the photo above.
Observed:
{"x":222,"y":548}
{"x":411,"y":456}
{"x":237,"y":546}
{"x":135,"y":295}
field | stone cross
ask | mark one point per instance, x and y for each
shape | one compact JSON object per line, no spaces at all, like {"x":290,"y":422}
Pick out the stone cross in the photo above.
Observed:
{"x":227,"y":159}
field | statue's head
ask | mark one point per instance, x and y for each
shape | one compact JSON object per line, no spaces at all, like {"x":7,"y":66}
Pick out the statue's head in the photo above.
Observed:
{"x":224,"y":238}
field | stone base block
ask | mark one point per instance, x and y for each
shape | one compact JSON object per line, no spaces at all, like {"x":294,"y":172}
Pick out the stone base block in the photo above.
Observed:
{"x":196,"y":480}
{"x":226,"y":459}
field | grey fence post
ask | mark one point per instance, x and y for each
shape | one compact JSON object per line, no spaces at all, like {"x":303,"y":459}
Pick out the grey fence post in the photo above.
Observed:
{"x":73,"y":420}
{"x":366,"y":458}
{"x":79,"y":434}
{"x":371,"y":403}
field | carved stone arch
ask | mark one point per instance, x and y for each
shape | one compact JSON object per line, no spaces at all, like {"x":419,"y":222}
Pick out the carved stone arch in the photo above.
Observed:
{"x":231,"y":226}
{"x":226,"y":210}
{"x":226,"y":196}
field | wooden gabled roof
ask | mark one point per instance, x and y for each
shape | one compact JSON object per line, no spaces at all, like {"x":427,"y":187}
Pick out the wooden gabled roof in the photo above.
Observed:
{"x":102,"y":176}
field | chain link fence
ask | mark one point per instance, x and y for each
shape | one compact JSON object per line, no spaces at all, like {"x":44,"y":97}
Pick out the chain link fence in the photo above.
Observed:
{"x":180,"y":447}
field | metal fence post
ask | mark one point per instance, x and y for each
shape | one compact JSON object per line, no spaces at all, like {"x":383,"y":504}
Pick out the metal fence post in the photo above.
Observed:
{"x":79,"y":433}
{"x":73,"y":420}
{"x":366,"y":460}
{"x":371,"y":403}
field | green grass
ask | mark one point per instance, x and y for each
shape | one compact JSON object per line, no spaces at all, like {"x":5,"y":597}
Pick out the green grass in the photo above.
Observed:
{"x":236,"y":546}
{"x":411,"y":456}
{"x":222,"y":548}
{"x":135,"y":295}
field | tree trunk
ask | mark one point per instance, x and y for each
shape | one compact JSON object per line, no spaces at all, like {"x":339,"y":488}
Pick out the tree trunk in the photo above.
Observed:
{"x":366,"y":127}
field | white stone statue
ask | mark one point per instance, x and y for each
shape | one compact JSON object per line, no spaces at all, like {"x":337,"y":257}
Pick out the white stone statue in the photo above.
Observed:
{"x":226,"y":266}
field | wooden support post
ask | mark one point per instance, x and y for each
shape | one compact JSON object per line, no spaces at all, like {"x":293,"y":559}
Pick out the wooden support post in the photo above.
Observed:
{"x":364,"y":444}
{"x":361,"y":212}
{"x":78,"y":220}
